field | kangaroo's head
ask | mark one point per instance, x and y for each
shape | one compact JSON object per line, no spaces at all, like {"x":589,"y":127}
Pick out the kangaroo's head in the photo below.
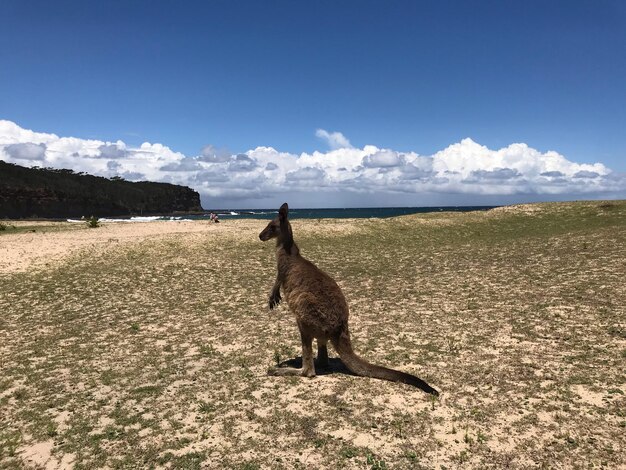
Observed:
{"x":279,"y":228}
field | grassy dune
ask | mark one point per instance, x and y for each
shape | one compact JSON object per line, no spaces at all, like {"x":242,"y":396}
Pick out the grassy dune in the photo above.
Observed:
{"x":154,"y":354}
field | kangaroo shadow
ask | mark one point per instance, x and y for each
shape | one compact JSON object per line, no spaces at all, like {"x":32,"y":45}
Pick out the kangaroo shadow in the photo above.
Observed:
{"x":335,"y":366}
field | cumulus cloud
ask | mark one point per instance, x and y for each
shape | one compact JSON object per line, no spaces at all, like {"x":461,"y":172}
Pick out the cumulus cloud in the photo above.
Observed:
{"x":335,"y":140}
{"x":466,"y":169}
{"x":586,"y":174}
{"x":382,"y":159}
{"x":112,"y":151}
{"x":186,"y":164}
{"x":306,"y":173}
{"x":242,"y":163}
{"x":497,"y":174}
{"x":552,"y":174}
{"x":210,"y":153}
{"x":411,"y":171}
{"x":26,"y":151}
{"x":113,"y":166}
{"x":133,"y":176}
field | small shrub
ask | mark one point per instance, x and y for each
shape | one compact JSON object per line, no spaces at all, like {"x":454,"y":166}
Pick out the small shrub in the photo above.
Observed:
{"x":9,"y":443}
{"x":93,"y":222}
{"x":204,"y":407}
{"x":207,"y":349}
{"x":462,"y":457}
{"x":376,"y":464}
{"x":51,"y":430}
{"x":3,"y":226}
{"x":349,"y":452}
{"x":319,"y":442}
{"x":277,"y":356}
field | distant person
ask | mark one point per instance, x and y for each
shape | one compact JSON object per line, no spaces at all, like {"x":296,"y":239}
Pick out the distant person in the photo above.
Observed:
{"x":214,"y":218}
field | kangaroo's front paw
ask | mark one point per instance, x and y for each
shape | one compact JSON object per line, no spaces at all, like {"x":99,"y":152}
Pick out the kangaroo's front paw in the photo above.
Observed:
{"x":274,"y":300}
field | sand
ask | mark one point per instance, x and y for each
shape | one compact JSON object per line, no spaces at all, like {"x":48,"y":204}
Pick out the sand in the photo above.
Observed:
{"x":147,"y":344}
{"x":47,"y":243}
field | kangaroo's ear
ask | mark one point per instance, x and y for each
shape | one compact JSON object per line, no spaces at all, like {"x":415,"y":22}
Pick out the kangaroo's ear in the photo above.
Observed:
{"x":283,"y":212}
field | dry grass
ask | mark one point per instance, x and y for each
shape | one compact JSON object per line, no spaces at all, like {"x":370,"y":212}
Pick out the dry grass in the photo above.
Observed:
{"x":154,"y":354}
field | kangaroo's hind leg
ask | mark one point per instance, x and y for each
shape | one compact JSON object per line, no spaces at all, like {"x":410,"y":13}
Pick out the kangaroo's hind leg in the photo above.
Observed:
{"x":308,"y":367}
{"x":322,"y":353}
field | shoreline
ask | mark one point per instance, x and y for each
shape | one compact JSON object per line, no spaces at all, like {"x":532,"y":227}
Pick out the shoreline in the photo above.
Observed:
{"x":297,"y":213}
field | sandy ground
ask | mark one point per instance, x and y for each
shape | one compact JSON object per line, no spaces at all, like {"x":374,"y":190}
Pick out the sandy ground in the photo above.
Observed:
{"x":48,"y":242}
{"x":147,"y":344}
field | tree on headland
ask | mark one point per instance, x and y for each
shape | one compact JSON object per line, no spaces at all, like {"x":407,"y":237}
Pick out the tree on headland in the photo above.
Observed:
{"x":63,"y":193}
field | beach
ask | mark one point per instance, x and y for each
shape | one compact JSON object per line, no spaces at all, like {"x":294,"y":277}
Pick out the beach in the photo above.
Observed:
{"x":147,"y":344}
{"x":40,"y":244}
{"x":45,"y":243}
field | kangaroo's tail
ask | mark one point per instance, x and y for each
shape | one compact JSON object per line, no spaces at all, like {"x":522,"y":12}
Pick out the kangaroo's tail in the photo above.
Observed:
{"x":359,"y":366}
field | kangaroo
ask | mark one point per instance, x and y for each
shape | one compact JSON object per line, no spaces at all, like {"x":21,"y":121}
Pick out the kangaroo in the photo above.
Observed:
{"x":320,"y":309}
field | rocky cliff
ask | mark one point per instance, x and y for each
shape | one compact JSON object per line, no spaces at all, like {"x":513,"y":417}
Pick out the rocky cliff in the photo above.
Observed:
{"x":50,"y":193}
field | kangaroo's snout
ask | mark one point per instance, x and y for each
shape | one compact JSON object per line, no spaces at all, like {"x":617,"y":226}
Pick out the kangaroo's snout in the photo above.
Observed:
{"x":269,"y":232}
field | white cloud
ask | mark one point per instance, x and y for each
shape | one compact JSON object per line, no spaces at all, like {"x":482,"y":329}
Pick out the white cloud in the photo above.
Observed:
{"x":335,"y":140}
{"x":210,"y":153}
{"x":466,"y":168}
{"x":186,"y":164}
{"x":306,"y":174}
{"x":242,"y":163}
{"x":26,"y":151}
{"x":11,"y":133}
{"x":116,"y":150}
{"x":382,"y":159}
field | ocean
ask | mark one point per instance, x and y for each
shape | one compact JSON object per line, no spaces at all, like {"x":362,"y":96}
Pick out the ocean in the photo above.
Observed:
{"x":345,"y":213}
{"x":295,"y":213}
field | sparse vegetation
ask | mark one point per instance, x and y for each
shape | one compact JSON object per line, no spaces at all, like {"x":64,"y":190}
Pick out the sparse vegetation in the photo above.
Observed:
{"x":92,"y":222}
{"x":154,"y":354}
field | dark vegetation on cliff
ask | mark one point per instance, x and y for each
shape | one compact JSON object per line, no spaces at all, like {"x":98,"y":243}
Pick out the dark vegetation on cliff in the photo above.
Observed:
{"x":46,"y":192}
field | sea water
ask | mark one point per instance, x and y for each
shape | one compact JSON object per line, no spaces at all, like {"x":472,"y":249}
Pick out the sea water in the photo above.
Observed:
{"x":346,"y":213}
{"x":295,"y":213}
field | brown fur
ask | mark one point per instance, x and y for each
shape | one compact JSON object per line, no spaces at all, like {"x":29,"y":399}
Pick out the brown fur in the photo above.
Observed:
{"x":320,"y":309}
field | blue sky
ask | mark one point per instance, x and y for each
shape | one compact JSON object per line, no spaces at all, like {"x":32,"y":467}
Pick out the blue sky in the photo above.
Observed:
{"x":404,"y":75}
